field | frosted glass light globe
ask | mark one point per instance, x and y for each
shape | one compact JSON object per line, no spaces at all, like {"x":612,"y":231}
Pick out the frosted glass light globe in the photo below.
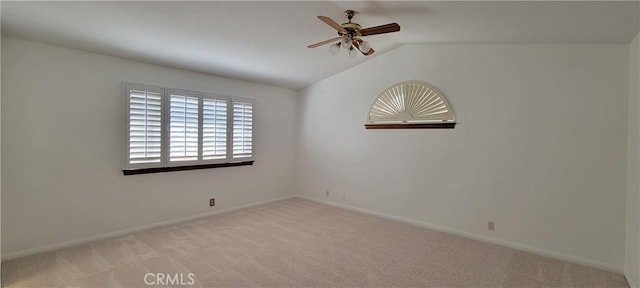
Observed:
{"x":365,"y":46}
{"x":351,"y":54}
{"x":346,"y":42}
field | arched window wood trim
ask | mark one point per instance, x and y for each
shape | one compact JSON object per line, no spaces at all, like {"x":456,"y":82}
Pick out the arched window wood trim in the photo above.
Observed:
{"x":410,"y":105}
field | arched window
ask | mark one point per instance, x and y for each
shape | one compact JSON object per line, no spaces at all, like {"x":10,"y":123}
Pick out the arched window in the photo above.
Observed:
{"x":410,"y":104}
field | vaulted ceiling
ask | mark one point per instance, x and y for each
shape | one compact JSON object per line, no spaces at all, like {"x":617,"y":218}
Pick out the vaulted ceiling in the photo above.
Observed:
{"x":266,"y":41}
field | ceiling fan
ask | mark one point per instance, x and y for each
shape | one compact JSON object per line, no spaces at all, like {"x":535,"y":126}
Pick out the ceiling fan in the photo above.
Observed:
{"x":350,"y":34}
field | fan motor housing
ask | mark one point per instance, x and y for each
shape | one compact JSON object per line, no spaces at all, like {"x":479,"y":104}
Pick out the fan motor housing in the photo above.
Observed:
{"x":352,"y":29}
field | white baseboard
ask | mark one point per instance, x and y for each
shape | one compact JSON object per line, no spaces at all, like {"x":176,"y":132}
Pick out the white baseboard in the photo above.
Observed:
{"x":629,"y":280}
{"x":496,"y":241}
{"x":58,"y":246}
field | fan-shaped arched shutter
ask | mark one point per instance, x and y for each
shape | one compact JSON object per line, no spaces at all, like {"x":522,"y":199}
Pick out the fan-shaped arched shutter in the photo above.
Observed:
{"x":410,"y":104}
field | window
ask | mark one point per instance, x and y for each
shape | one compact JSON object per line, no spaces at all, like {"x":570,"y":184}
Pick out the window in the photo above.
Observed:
{"x":214,"y":129}
{"x":176,"y":128}
{"x":184,"y":127}
{"x":410,"y":104}
{"x":242,"y":129}
{"x":144,"y":129}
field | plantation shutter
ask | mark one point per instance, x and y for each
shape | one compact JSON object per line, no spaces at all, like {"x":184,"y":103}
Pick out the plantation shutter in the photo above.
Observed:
{"x":144,"y":126}
{"x":183,"y":127}
{"x":172,"y":128}
{"x":242,"y":129}
{"x":214,"y":129}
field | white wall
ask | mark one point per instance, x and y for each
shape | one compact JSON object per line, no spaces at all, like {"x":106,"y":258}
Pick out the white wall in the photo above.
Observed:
{"x":632,"y":259}
{"x":63,"y":145}
{"x":540,"y":147}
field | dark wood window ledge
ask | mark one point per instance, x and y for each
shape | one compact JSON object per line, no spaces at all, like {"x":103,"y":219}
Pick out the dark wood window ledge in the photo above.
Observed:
{"x":411,"y":126}
{"x":184,"y":168}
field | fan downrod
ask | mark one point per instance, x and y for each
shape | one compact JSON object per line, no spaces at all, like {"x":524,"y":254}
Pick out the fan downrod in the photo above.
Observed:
{"x":349,"y":14}
{"x":352,"y":28}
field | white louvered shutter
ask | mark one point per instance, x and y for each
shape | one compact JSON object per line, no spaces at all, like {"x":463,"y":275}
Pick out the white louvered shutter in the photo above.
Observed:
{"x":183,"y":127}
{"x":171,"y":128}
{"x":242,"y":129}
{"x":214,"y":129}
{"x":144,"y":126}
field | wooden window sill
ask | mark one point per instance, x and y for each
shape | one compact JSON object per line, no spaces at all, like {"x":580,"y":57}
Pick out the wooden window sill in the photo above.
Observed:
{"x":184,"y":168}
{"x":412,"y":126}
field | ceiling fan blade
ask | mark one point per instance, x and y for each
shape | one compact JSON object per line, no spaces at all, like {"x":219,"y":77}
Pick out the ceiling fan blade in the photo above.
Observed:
{"x":357,"y":45}
{"x":324,"y":42}
{"x":332,"y":23}
{"x":387,"y":28}
{"x":371,"y":51}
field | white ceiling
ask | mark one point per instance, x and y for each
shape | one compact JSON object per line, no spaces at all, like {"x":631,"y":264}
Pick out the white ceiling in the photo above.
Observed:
{"x":266,"y":41}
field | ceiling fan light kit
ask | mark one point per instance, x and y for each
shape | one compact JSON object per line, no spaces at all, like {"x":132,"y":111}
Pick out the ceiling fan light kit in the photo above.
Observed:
{"x":365,"y":46}
{"x":351,"y":53}
{"x":350,"y":33}
{"x":346,"y":42}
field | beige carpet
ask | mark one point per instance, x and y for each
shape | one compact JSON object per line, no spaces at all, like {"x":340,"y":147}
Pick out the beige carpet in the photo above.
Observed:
{"x":298,"y":243}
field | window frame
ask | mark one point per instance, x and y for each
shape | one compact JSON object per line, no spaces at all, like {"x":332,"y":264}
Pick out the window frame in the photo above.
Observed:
{"x":200,"y":96}
{"x":128,"y":87}
{"x":229,"y":128}
{"x":167,"y":116}
{"x":253,"y":128}
{"x":165,"y":163}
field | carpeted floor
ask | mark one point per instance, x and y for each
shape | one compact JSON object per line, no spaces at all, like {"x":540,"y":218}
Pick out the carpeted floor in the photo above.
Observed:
{"x":297,"y":243}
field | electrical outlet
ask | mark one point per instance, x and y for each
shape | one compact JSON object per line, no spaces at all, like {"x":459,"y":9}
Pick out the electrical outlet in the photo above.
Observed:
{"x":492,"y":225}
{"x":212,"y":202}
